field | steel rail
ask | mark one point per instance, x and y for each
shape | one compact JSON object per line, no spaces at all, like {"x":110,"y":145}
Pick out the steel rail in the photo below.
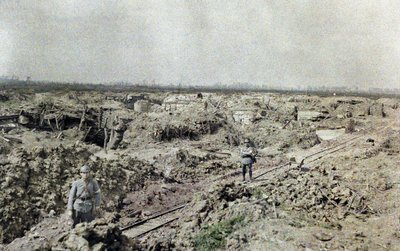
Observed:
{"x":329,"y":148}
{"x":157,"y":227}
{"x":138,"y":223}
{"x":311,"y":155}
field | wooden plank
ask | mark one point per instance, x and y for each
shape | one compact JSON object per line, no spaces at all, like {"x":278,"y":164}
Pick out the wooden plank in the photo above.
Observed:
{"x":9,"y":117}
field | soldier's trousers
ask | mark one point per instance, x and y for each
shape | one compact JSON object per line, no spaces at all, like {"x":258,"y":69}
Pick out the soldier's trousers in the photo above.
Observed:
{"x":244,"y":170}
{"x":80,"y":217}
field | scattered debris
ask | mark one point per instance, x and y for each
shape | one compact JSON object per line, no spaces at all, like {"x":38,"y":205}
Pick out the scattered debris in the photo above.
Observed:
{"x":153,"y":151}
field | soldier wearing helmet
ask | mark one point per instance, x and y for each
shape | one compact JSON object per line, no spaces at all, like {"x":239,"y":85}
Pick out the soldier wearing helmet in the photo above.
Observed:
{"x":247,"y":153}
{"x":84,"y":197}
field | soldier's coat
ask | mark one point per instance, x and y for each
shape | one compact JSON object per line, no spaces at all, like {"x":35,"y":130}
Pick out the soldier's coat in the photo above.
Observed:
{"x":82,"y":199}
{"x":247,"y":154}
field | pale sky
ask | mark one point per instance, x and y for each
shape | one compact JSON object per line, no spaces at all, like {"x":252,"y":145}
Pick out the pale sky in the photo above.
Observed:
{"x":269,"y":42}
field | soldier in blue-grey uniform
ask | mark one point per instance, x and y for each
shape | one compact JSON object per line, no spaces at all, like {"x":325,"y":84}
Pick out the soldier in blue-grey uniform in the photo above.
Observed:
{"x":247,"y":153}
{"x":84,"y":198}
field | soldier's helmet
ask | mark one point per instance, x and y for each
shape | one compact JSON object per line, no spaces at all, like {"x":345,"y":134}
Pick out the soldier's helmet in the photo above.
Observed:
{"x":85,"y":169}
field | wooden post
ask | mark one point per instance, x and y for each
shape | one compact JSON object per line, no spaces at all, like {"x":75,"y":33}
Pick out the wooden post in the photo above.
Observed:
{"x":86,"y":134}
{"x":100,"y":117}
{"x":105,"y":136}
{"x":62,"y":124}
{"x":82,"y":119}
{"x":5,"y":139}
{"x":112,"y":134}
{"x":57,"y":126}
{"x":42,"y":117}
{"x":105,"y":139}
{"x":51,"y":126}
{"x":275,"y":212}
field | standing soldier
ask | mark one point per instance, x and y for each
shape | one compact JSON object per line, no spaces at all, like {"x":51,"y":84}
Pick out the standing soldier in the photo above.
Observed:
{"x":84,"y":197}
{"x":248,"y":158}
{"x":117,"y":134}
{"x":383,"y":114}
{"x":295,"y":113}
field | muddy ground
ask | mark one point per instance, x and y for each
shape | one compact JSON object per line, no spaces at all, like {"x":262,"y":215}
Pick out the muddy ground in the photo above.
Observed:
{"x":153,"y":151}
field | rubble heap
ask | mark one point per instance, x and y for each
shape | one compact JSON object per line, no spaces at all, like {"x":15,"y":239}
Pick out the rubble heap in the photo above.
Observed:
{"x":4,"y":97}
{"x":231,"y":204}
{"x":97,"y":235}
{"x":36,"y":182}
{"x":186,"y":130}
{"x":54,"y":234}
{"x":319,"y":193}
{"x":183,"y":165}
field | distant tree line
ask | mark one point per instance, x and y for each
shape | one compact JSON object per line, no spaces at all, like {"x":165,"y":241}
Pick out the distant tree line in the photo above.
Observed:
{"x":50,"y":86}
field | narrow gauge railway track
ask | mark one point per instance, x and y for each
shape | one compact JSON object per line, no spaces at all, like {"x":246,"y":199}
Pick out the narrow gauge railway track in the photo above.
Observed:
{"x":152,"y":222}
{"x":160,"y":219}
{"x":314,"y":156}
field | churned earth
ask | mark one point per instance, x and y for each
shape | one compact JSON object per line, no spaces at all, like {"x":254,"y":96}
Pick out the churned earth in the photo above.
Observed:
{"x":326,"y":178}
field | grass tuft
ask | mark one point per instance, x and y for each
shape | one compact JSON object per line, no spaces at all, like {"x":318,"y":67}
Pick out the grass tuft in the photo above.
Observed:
{"x":214,"y":236}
